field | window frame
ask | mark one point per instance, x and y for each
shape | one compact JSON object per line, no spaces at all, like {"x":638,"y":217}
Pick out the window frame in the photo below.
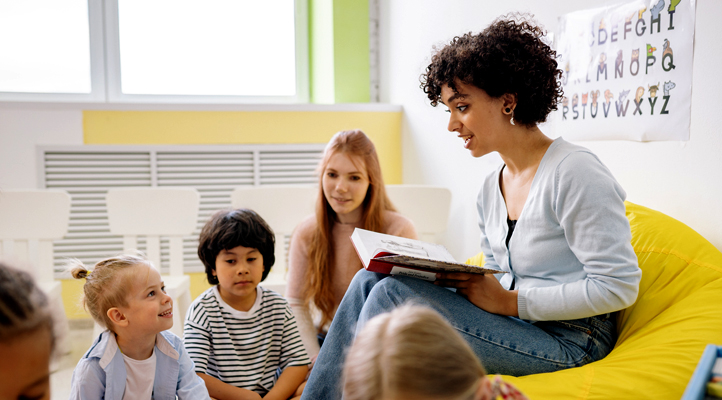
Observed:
{"x":105,"y":74}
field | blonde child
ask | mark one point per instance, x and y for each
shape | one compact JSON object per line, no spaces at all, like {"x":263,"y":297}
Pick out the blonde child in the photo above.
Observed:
{"x":26,"y":337}
{"x":413,"y":353}
{"x":136,"y":357}
{"x":242,"y":337}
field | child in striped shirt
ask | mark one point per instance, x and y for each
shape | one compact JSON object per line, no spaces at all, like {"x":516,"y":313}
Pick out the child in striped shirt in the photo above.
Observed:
{"x":243,"y":338}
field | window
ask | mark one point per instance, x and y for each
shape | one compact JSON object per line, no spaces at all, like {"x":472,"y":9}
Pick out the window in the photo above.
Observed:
{"x":45,"y":50}
{"x":171,"y":51}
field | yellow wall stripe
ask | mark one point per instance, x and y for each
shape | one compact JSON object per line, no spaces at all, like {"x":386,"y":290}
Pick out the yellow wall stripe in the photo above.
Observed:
{"x":247,"y":127}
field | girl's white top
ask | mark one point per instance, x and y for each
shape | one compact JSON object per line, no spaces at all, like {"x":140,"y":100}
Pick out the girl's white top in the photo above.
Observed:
{"x":140,"y":375}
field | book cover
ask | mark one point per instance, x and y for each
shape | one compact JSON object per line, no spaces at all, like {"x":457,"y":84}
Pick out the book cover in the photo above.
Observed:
{"x":394,"y":255}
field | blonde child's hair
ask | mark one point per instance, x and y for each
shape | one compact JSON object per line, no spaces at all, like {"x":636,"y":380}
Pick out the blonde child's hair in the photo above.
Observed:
{"x":410,"y":351}
{"x":106,"y":285}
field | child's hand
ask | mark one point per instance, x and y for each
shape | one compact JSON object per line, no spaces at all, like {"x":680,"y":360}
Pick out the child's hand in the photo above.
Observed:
{"x":310,"y":367}
{"x":249,"y":395}
{"x":220,"y":390}
{"x":289,"y":384}
{"x":503,"y":390}
{"x":299,"y":391}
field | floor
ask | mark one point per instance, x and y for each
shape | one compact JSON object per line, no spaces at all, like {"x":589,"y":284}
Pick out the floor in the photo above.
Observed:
{"x":81,"y":337}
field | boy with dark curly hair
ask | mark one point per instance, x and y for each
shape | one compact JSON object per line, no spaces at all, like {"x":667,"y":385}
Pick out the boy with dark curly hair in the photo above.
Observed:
{"x":243,"y":338}
{"x":568,"y":257}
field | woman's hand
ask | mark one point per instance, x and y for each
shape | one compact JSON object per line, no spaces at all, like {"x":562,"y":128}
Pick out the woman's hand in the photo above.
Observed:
{"x":484,"y":291}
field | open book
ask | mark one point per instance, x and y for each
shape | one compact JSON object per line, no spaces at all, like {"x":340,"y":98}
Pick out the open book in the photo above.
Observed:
{"x":396,"y":255}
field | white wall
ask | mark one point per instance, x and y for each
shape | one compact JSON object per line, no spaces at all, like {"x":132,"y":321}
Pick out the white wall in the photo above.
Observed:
{"x":681,"y":179}
{"x":25,"y":126}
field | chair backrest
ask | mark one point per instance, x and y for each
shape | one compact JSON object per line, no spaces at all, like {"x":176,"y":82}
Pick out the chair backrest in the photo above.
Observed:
{"x":29,"y":222}
{"x":282,"y":206}
{"x":154,"y":212}
{"x":426,"y":206}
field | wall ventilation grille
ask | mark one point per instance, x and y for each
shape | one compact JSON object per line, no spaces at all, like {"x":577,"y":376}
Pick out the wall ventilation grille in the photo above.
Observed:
{"x":87,"y":172}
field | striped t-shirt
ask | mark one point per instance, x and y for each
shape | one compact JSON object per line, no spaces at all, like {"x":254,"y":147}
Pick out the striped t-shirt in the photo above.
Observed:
{"x":244,"y":349}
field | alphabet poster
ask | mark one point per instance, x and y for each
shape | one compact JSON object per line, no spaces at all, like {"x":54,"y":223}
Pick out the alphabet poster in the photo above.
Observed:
{"x":627,"y":71}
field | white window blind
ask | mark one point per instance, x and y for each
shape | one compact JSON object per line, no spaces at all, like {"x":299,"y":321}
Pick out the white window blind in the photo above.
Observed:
{"x":87,"y":172}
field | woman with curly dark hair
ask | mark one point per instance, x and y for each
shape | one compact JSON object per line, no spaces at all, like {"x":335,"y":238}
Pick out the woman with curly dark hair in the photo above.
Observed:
{"x":552,"y":217}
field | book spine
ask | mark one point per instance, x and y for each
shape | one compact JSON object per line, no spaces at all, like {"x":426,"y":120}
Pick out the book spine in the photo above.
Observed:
{"x":380,"y":267}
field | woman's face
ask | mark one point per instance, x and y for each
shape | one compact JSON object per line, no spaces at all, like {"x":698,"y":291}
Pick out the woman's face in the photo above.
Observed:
{"x":28,"y":375}
{"x":476,"y":117}
{"x":345,"y":183}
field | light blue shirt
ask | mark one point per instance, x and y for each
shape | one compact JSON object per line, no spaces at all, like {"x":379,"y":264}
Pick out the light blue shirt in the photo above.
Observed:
{"x":101,"y":374}
{"x":570,"y":255}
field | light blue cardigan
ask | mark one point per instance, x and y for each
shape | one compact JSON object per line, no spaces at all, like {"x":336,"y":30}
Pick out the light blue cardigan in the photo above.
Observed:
{"x":570,"y":253}
{"x":100,"y":374}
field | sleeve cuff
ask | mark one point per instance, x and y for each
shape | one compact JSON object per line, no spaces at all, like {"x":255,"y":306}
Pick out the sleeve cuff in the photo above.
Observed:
{"x":521,"y":304}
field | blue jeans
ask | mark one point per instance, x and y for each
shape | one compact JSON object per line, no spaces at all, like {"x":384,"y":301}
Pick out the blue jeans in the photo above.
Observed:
{"x":505,"y":345}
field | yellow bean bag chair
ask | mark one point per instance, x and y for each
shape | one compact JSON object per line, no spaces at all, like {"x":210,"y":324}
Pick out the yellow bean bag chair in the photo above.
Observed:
{"x":662,"y":336}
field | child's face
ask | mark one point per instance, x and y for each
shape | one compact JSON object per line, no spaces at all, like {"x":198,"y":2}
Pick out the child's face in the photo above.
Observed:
{"x":28,"y":375}
{"x":345,"y":183}
{"x":150,"y":309}
{"x":239,"y":270}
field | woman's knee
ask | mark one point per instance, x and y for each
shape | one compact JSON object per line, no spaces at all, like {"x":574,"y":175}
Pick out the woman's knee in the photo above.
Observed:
{"x":362,"y":284}
{"x":396,"y":290}
{"x":365,"y":280}
{"x":363,"y":276}
{"x":384,"y":296}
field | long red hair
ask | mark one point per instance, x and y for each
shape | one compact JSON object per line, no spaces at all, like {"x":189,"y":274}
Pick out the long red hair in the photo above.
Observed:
{"x":357,"y":146}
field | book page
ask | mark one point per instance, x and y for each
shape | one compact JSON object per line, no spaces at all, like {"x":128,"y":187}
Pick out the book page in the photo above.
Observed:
{"x":402,"y":246}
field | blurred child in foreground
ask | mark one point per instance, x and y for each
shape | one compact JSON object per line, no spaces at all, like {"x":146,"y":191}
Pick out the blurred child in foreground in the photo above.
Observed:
{"x":26,"y":337}
{"x":413,"y":353}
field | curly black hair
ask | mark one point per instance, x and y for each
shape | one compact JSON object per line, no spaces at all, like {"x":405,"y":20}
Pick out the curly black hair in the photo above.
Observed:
{"x":506,"y":57}
{"x":228,"y":229}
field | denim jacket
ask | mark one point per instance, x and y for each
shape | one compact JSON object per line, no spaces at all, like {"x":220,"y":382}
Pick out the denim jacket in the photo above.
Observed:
{"x":100,"y":374}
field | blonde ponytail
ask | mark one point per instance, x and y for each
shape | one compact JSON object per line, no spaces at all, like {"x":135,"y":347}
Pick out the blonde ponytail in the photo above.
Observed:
{"x":106,"y":285}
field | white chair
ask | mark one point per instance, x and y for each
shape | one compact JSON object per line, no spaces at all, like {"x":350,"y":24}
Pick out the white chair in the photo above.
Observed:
{"x":29,"y":222}
{"x":154,"y":212}
{"x":283,"y":207}
{"x":427,"y":206}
